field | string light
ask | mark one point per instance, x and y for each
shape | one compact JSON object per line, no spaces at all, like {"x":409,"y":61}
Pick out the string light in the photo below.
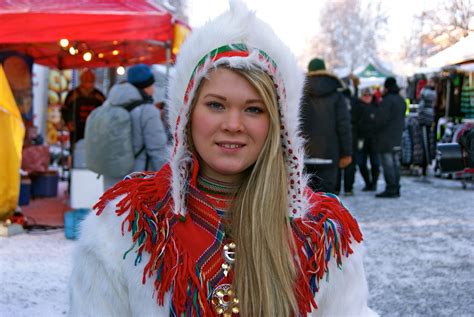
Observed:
{"x":87,"y":56}
{"x":120,"y":70}
{"x":64,"y":43}
{"x":72,"y":50}
{"x":115,"y":52}
{"x":100,"y":55}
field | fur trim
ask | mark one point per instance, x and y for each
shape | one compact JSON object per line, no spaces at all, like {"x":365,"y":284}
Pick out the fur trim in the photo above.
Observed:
{"x":238,"y":26}
{"x":326,"y":73}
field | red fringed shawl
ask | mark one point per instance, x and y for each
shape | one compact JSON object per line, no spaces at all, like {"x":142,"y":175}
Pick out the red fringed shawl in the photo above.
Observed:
{"x":186,"y":252}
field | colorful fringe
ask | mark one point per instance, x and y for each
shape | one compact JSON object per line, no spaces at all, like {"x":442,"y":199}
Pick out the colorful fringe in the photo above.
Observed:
{"x":324,"y":233}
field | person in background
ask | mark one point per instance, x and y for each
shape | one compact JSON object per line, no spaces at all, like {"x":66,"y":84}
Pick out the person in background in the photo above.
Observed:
{"x":390,"y":120}
{"x":79,"y":103}
{"x":149,"y":137}
{"x":346,"y":176}
{"x":426,"y":119}
{"x":377,"y":95}
{"x":363,"y":121}
{"x":326,"y":126}
{"x":228,"y":227}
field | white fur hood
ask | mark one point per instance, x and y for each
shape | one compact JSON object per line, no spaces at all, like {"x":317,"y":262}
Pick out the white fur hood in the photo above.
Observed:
{"x":238,"y":30}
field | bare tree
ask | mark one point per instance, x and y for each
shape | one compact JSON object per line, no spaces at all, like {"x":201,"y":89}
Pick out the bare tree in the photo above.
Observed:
{"x":438,"y":28}
{"x":350,"y":31}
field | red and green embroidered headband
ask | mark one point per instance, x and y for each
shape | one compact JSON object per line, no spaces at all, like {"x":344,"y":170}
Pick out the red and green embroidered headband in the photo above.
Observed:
{"x":226,"y":51}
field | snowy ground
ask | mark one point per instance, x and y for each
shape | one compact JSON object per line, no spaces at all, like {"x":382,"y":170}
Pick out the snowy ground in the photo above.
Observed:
{"x":419,"y":262}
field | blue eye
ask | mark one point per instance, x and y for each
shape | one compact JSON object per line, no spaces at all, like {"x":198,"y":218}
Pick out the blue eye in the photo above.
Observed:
{"x":214,"y":105}
{"x":254,"y":110}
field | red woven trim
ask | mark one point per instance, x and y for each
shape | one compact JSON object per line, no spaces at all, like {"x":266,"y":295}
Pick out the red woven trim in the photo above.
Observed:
{"x":328,"y":225}
{"x":146,"y":187}
{"x":147,"y":206}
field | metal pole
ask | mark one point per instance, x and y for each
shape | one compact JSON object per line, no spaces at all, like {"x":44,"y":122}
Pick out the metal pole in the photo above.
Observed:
{"x":448,"y":98}
{"x":168,"y":65}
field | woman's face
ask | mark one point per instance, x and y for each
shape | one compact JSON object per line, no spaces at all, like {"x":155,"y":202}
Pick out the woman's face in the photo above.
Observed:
{"x":366,"y":98}
{"x":229,"y":125}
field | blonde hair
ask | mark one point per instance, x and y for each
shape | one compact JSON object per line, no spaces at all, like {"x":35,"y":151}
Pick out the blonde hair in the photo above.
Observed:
{"x":265,"y":271}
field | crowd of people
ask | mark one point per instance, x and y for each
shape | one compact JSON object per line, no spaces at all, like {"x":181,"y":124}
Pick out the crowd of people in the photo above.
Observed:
{"x":344,"y":129}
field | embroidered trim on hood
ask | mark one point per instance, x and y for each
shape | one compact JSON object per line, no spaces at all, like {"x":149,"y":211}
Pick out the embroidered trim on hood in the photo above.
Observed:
{"x":237,"y":39}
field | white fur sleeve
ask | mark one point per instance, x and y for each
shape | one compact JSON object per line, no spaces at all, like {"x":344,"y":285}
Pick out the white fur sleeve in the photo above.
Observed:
{"x":97,"y":285}
{"x":345,"y":292}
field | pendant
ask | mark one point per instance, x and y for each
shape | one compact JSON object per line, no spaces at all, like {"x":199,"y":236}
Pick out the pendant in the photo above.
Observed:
{"x":225,"y":301}
{"x":229,"y":257}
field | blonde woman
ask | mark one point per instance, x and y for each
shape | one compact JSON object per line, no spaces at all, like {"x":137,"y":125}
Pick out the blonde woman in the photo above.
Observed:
{"x":228,"y":227}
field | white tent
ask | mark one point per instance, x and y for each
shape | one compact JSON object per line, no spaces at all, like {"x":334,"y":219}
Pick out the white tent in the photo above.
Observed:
{"x":460,"y":52}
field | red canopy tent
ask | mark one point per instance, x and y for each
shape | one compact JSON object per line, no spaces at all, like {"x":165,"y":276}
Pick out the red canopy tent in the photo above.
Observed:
{"x":114,"y":32}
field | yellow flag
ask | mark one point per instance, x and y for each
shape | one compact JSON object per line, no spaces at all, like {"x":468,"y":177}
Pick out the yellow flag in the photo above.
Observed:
{"x":12,"y":132}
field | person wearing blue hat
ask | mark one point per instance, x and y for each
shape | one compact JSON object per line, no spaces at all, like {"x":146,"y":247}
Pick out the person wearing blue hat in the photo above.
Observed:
{"x":121,"y":142}
{"x":141,"y":76}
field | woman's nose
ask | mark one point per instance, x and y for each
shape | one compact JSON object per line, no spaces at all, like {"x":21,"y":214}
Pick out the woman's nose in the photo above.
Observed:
{"x":233,"y":121}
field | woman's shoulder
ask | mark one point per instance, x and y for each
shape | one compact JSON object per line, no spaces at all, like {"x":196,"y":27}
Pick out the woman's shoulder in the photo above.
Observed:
{"x":324,"y":237}
{"x":325,"y":206}
{"x":139,"y":191}
{"x":327,"y":229}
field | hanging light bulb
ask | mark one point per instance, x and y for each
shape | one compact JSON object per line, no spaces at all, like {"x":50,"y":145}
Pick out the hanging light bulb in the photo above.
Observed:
{"x":100,"y":55}
{"x":72,"y":50}
{"x":64,"y":43}
{"x":87,"y":56}
{"x":120,"y":70}
{"x":115,"y":52}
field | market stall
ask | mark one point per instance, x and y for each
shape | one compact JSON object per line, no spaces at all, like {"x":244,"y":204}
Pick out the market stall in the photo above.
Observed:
{"x":372,"y":75}
{"x":85,"y":33}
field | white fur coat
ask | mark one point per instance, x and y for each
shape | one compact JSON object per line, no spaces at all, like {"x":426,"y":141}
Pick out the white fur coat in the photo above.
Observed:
{"x":105,"y":284}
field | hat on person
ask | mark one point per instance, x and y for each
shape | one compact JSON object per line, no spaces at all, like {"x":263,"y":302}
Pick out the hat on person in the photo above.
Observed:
{"x":366,"y":92}
{"x":140,"y":76}
{"x":391,"y":83}
{"x":237,"y":39}
{"x":316,"y":64}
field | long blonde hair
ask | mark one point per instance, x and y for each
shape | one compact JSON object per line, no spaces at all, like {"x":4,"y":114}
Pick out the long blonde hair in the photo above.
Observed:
{"x":265,"y":271}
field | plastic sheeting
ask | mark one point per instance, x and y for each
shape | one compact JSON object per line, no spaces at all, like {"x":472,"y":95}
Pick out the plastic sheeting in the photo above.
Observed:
{"x":12,"y":132}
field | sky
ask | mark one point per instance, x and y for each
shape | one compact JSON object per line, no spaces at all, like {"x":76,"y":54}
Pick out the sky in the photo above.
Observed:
{"x":296,"y":21}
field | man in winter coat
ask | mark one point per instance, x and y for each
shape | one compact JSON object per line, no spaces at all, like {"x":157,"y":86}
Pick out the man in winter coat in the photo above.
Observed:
{"x":79,"y":104}
{"x":148,"y":133}
{"x":390,"y":120}
{"x":364,"y":128}
{"x":326,"y":126}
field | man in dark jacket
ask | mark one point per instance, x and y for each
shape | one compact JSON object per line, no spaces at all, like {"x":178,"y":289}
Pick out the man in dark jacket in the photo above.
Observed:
{"x":390,"y":120}
{"x":364,"y":129}
{"x":79,"y":104}
{"x":326,"y":126}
